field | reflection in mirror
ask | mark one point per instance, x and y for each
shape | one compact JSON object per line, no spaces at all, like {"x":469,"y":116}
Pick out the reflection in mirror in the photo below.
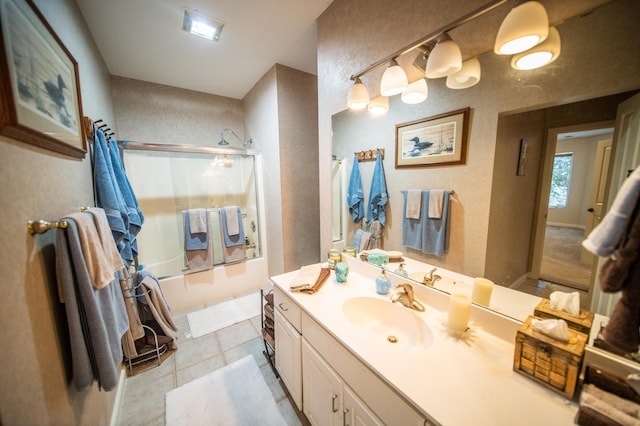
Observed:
{"x":495,"y":212}
{"x":172,"y":180}
{"x":338,"y":195}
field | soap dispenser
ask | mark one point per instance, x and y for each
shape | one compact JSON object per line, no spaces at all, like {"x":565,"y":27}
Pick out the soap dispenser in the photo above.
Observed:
{"x":383,"y":284}
{"x":401,"y":271}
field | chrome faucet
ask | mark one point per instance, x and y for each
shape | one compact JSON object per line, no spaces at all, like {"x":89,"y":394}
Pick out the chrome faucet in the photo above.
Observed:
{"x":430,"y":279}
{"x":405,"y":297}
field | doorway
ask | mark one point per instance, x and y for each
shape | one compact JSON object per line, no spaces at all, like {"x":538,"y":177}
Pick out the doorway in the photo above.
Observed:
{"x":578,"y":163}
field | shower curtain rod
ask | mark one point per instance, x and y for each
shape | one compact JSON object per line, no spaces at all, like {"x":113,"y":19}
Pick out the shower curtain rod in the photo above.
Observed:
{"x":196,"y":149}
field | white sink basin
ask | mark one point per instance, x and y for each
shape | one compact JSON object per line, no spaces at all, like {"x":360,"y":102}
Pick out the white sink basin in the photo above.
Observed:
{"x":388,"y":322}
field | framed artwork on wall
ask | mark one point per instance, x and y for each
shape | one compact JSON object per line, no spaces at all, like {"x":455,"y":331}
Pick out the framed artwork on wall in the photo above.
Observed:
{"x":440,"y":140}
{"x":39,"y":83}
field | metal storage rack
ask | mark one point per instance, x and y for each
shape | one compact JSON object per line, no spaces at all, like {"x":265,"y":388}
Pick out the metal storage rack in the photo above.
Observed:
{"x":268,"y":331}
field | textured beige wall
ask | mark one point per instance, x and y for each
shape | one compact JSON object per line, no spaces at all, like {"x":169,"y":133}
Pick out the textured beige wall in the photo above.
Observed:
{"x":39,"y":184}
{"x":354,"y":34}
{"x":298,"y":122}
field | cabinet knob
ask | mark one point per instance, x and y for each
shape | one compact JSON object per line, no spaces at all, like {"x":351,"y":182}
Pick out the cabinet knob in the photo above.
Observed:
{"x":590,"y":209}
{"x":283,"y":307}
{"x":333,"y":403}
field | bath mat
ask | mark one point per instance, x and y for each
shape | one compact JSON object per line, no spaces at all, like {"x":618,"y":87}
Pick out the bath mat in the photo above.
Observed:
{"x":232,"y":396}
{"x":223,"y":314}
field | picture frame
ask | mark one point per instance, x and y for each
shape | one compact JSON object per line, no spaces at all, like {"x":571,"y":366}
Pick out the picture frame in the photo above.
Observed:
{"x":39,"y":83}
{"x":440,"y":140}
{"x":522,"y":158}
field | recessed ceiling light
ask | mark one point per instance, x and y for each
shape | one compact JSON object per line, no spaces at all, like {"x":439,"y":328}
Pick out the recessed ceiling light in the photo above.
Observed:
{"x":201,"y":25}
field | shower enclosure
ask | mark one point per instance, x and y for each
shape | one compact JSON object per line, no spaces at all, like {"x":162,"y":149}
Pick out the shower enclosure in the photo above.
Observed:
{"x":171,"y":179}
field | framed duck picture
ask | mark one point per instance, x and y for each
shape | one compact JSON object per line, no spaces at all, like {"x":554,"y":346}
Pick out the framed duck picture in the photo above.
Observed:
{"x":39,"y":83}
{"x":440,"y":140}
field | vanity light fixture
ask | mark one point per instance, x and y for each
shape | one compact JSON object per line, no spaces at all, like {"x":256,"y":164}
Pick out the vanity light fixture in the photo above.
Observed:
{"x":468,"y":76}
{"x":444,"y":59}
{"x":540,"y":55}
{"x":415,"y":92}
{"x":201,"y":25}
{"x":358,"y":95}
{"x":394,"y":80}
{"x":526,"y":25}
{"x":379,"y":105}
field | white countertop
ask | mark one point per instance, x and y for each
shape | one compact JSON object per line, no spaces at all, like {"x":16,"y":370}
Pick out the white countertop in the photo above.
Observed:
{"x":456,"y":381}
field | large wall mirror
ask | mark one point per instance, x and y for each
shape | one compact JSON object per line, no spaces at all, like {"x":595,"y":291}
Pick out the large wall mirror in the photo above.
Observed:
{"x":575,"y":98}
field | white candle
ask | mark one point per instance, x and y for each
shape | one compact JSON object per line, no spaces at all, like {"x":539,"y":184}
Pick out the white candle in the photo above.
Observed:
{"x":482,"y":289}
{"x":459,"y":309}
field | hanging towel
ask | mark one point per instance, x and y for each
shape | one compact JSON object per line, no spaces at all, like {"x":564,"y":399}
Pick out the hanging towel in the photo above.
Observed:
{"x":378,"y":196}
{"x":355,"y":195}
{"x":232,"y":239}
{"x":435,"y":232}
{"x":101,"y":266}
{"x":608,"y":235}
{"x":198,"y":253}
{"x":198,"y":221}
{"x":413,"y":201}
{"x":411,"y":228}
{"x":234,"y":253}
{"x":136,"y":218}
{"x":110,"y":198}
{"x":357,"y":238}
{"x":96,"y":318}
{"x":436,"y":197}
{"x":194,"y":240}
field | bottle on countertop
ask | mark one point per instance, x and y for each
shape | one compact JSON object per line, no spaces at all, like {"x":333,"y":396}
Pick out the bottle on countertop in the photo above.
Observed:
{"x":383,"y":284}
{"x":401,"y":271}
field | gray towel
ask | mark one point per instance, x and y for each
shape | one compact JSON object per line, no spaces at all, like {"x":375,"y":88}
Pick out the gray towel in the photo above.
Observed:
{"x":97,"y":318}
{"x":197,"y":260}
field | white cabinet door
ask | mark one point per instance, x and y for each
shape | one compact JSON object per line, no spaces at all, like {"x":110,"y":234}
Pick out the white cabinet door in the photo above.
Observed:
{"x":355,"y":412}
{"x":322,"y":389}
{"x":288,"y":357}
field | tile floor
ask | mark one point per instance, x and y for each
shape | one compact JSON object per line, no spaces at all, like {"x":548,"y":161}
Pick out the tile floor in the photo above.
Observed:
{"x":144,"y":397}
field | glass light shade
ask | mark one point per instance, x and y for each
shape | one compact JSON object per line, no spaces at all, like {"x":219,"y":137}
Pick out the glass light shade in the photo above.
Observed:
{"x":524,"y":26}
{"x":469,"y":75}
{"x":444,"y":59}
{"x":394,"y":80}
{"x":358,"y":95}
{"x":415,"y":92}
{"x":379,"y":105}
{"x":540,"y":55}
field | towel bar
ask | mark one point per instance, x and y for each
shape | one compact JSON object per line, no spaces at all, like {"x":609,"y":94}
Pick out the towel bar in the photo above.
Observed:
{"x":42,"y":226}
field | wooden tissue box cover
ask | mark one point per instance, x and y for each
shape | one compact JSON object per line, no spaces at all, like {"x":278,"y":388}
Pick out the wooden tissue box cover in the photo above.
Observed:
{"x":548,"y":361}
{"x":581,"y":323}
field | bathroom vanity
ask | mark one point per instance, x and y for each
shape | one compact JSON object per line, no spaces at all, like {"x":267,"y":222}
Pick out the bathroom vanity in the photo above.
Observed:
{"x":350,"y":356}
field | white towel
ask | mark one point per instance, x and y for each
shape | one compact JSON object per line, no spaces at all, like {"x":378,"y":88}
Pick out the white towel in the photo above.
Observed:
{"x":436,"y":197}
{"x":233,"y":228}
{"x":414,"y":201}
{"x":198,"y":221}
{"x":364,"y":241}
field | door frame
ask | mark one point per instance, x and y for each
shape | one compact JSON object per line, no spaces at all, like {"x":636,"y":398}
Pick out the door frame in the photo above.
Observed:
{"x":544,"y":190}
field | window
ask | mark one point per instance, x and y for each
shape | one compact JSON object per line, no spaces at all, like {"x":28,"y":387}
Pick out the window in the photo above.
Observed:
{"x":560,"y":180}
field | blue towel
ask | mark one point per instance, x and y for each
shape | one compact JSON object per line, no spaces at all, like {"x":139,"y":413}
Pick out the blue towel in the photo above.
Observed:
{"x":195,"y":240}
{"x":411,"y":228}
{"x":430,"y":236}
{"x":136,"y":218}
{"x":355,"y":196}
{"x":232,"y":240}
{"x":435,"y":232}
{"x":109,"y":197}
{"x":378,"y":196}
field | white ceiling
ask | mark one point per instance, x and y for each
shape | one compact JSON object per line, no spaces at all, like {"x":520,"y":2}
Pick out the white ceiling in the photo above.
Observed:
{"x":143,"y":39}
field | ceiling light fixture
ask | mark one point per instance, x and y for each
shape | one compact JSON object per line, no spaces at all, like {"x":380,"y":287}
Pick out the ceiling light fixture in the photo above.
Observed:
{"x":394,"y":80}
{"x":526,"y":25}
{"x":358,"y":95}
{"x":540,"y":55}
{"x":379,"y":105}
{"x":444,"y":59}
{"x":201,"y":25}
{"x":468,"y":76}
{"x":415,"y":92}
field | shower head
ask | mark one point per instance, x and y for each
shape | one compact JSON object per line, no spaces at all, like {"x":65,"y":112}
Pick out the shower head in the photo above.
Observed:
{"x":222,"y":140}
